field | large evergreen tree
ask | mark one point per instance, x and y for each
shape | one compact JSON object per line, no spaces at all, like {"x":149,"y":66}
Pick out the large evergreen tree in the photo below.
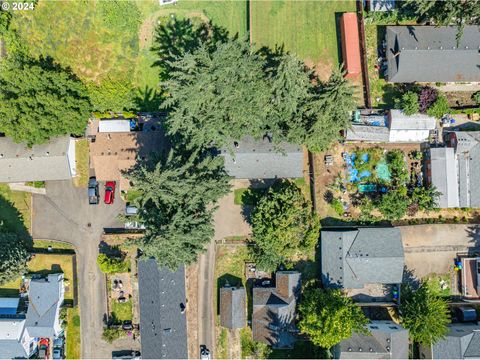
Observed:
{"x":327,"y":316}
{"x":283,"y":225}
{"x":446,"y":12}
{"x":217,"y":96}
{"x":177,"y":202}
{"x":13,"y":257}
{"x":40,"y":100}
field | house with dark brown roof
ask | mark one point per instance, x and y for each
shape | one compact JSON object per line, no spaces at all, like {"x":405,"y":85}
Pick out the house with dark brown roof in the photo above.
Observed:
{"x":232,"y":307}
{"x":274,"y":311}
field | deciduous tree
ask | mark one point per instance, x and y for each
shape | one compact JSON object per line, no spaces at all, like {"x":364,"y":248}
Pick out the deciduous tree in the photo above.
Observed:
{"x":408,"y":103}
{"x":425,"y":314}
{"x":282,"y":225}
{"x":327,"y":317}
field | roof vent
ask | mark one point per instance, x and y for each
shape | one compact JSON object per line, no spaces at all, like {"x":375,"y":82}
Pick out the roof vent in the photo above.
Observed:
{"x":466,"y":47}
{"x":167,"y":330}
{"x":1,"y":155}
{"x":360,"y":349}
{"x":236,"y":144}
{"x":349,"y":349}
{"x":388,"y":348}
{"x":48,"y":153}
{"x":371,"y":350}
{"x":109,"y":137}
{"x":31,"y":157}
{"x":388,"y":340}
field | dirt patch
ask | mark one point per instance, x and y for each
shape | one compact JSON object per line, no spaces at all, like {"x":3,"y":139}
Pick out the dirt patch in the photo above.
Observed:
{"x":191,"y":285}
{"x":234,"y":346}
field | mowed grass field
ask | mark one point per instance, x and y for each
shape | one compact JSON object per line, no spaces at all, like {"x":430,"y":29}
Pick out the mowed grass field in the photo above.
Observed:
{"x":106,"y":43}
{"x":306,"y":28}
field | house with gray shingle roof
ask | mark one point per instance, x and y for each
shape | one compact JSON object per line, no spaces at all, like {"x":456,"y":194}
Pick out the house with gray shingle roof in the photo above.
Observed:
{"x":232,"y":307}
{"x":274,"y":311}
{"x":431,"y":54}
{"x":54,"y":160}
{"x":353,"y":258}
{"x":387,"y":340}
{"x":261,"y":159}
{"x":455,"y":171}
{"x":461,"y":342}
{"x":163,"y":324}
{"x":45,"y":296}
{"x":15,"y":342}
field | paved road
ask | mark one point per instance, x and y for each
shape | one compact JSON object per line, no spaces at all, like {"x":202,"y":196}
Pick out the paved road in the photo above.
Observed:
{"x":64,"y":214}
{"x":229,"y":221}
{"x":432,"y":248}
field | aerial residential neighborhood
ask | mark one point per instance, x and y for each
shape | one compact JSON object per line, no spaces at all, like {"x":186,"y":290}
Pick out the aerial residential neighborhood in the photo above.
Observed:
{"x":240,"y":179}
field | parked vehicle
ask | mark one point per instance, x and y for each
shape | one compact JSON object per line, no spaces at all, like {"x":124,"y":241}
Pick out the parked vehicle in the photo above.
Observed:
{"x":57,"y":354}
{"x":109,"y":192}
{"x":58,"y":342}
{"x":93,"y":194}
{"x":43,"y":349}
{"x":131,"y":212}
{"x":127,"y":325}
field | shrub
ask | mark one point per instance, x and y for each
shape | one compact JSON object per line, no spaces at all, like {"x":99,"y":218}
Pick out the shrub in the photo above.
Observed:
{"x":337,"y":206}
{"x":393,"y":205}
{"x":398,"y":167}
{"x":427,"y":97}
{"x":476,"y":97}
{"x":439,"y":108}
{"x":408,"y":103}
{"x":111,"y":265}
{"x":112,"y":334}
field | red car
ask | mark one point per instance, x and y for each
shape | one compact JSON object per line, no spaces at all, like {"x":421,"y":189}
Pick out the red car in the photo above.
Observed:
{"x":109,"y":192}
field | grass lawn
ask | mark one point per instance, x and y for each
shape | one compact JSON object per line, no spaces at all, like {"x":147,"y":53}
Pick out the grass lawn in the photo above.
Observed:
{"x":222,"y":344}
{"x":107,"y":45}
{"x":55,"y":245}
{"x":436,"y":282}
{"x":73,"y":333}
{"x":15,"y":210}
{"x":81,"y":161}
{"x":382,"y":93}
{"x":306,"y":28}
{"x":121,"y":311}
{"x":45,"y":264}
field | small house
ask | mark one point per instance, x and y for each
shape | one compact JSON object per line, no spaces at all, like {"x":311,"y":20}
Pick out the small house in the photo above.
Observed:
{"x":461,"y":342}
{"x":409,"y":128}
{"x":232,"y":307}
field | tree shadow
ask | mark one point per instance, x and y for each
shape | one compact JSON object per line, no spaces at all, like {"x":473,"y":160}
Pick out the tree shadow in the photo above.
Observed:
{"x":180,"y":36}
{"x":12,"y":221}
{"x":410,"y":279}
{"x":148,"y":99}
{"x":109,"y":250}
{"x":272,"y":57}
{"x":226,"y":280}
{"x":473,"y":234}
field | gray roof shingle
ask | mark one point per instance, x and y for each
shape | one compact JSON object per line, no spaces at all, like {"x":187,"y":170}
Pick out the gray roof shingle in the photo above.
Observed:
{"x":40,"y":163}
{"x":261,"y":159}
{"x":368,"y":133}
{"x":462,"y":342}
{"x":274,"y":310}
{"x":388,"y":340}
{"x":444,"y":176}
{"x":353,"y":258}
{"x":431,"y":54}
{"x":232,"y":307}
{"x":163,"y":327}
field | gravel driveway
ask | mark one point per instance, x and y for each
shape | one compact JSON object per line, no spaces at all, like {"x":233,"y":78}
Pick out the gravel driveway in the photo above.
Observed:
{"x":432,"y":248}
{"x":64,"y":214}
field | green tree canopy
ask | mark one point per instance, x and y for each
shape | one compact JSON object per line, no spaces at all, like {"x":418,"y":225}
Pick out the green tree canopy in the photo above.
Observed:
{"x":426,"y":198}
{"x":217,"y":96}
{"x":446,"y":12}
{"x":408,"y":103}
{"x":393,"y":205}
{"x":13,"y":257}
{"x":327,"y":316}
{"x":40,"y":100}
{"x":111,"y":265}
{"x":439,"y":108}
{"x":425,"y":314}
{"x":282,"y":225}
{"x":176,"y":202}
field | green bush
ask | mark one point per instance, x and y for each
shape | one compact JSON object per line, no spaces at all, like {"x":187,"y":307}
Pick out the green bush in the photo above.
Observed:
{"x":111,"y":265}
{"x":112,"y":334}
{"x":337,"y":206}
{"x":476,"y":97}
{"x":408,"y":103}
{"x":398,"y":167}
{"x":251,"y":348}
{"x":439,"y":108}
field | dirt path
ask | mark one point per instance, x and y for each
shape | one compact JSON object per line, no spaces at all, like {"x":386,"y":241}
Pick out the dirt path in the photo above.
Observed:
{"x":234,"y":348}
{"x":191,"y":278}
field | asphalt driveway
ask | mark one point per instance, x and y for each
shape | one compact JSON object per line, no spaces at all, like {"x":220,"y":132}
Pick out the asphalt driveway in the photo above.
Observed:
{"x":432,"y":248}
{"x":64,"y":214}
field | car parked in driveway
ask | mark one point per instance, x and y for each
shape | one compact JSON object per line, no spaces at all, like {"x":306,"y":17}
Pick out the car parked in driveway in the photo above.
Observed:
{"x":93,"y":194}
{"x":109,"y":192}
{"x":57,"y":354}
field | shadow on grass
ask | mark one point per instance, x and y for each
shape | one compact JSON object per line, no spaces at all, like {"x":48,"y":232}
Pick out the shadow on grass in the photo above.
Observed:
{"x":11,"y":221}
{"x":224,"y":280}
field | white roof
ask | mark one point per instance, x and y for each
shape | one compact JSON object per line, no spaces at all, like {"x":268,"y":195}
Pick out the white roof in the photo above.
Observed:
{"x":399,"y":121}
{"x":409,"y":136}
{"x":9,"y":303}
{"x":114,"y":125}
{"x":11,"y":329}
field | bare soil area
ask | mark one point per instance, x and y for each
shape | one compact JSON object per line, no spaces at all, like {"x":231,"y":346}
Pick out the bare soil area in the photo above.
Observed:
{"x":191,"y":284}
